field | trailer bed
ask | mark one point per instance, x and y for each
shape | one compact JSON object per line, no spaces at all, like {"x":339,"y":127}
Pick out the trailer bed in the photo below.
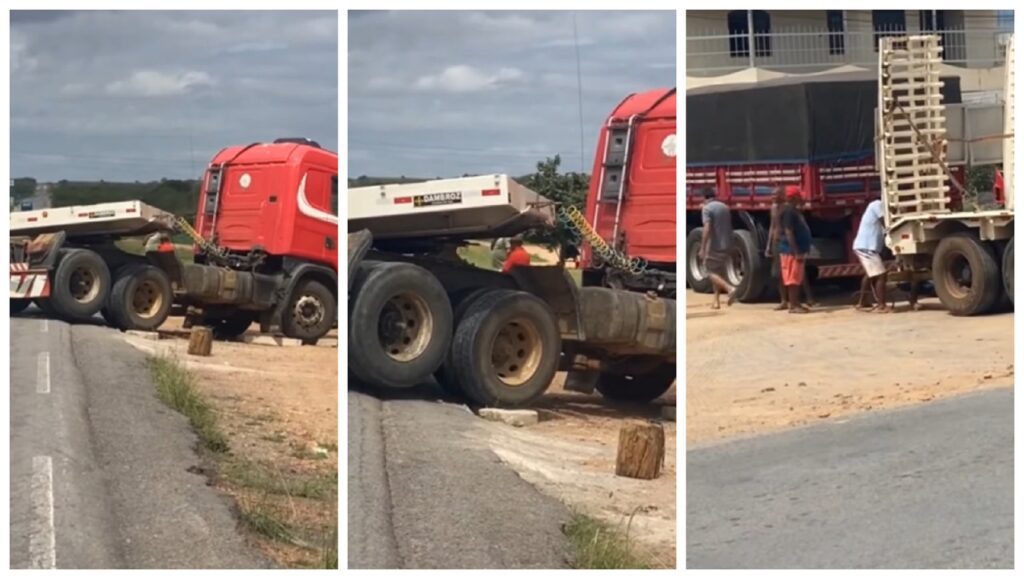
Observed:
{"x":121,"y":219}
{"x":482,"y":207}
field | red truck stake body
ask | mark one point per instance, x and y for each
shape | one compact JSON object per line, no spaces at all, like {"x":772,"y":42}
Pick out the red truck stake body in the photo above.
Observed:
{"x":280,"y":198}
{"x":631,"y":202}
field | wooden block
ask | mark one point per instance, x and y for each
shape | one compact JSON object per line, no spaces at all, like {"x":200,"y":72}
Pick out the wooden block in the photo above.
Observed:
{"x":641,"y":450}
{"x":200,"y":341}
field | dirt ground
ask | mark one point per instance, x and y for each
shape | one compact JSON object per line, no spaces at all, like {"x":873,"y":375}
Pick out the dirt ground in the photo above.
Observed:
{"x":570,"y":455}
{"x":279,"y":408}
{"x":751,"y":370}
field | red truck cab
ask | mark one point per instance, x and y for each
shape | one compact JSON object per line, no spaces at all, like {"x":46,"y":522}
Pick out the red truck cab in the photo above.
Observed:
{"x":279,"y":198}
{"x":631,"y":202}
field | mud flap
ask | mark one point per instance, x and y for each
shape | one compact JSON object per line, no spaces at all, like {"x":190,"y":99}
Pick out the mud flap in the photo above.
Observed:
{"x":358,"y":244}
{"x":583,"y":381}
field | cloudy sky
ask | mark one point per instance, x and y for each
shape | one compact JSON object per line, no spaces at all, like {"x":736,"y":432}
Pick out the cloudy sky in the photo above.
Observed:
{"x":446,"y":93}
{"x":127,"y":96}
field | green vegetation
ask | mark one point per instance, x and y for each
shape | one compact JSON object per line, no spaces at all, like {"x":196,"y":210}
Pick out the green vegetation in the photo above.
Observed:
{"x":597,"y":546}
{"x":270,"y":480}
{"x":176,"y":388}
{"x":176,"y":196}
{"x":23,"y":187}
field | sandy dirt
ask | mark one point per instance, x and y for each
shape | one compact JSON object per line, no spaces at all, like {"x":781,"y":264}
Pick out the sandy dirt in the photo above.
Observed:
{"x":279,"y":409}
{"x":751,"y":370}
{"x":571,"y":456}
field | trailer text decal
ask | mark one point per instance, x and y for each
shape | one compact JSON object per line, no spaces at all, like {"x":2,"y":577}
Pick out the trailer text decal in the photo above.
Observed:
{"x":437,"y":199}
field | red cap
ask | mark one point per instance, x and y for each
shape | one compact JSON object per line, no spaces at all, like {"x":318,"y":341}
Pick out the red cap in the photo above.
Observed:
{"x":792,"y":191}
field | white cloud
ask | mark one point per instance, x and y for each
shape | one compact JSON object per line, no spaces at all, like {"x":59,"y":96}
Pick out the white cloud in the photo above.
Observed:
{"x":462,"y":78}
{"x":21,"y":59}
{"x":149,"y":83}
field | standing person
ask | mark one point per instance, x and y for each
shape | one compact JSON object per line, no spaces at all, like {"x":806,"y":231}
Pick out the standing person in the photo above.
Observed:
{"x":499,"y":252}
{"x":794,"y":245}
{"x":517,"y":255}
{"x":716,"y":246}
{"x":771,"y":251}
{"x":868,"y":246}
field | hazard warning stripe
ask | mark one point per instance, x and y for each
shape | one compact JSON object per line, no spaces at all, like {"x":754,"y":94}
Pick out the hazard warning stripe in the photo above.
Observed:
{"x":30,"y":286}
{"x":15,"y":267}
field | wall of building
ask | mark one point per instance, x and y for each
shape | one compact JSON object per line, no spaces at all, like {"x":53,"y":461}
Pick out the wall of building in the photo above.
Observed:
{"x":799,"y":41}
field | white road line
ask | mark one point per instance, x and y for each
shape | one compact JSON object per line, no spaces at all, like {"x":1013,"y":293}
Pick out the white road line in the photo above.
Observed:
{"x":43,"y":373}
{"x":42,"y":542}
{"x":46,"y":326}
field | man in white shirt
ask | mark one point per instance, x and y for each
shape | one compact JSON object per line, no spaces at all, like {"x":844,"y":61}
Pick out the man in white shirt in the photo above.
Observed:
{"x":868,"y":246}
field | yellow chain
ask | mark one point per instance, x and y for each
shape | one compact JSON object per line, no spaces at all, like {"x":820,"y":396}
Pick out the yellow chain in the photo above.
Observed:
{"x":574,"y":219}
{"x":185,"y":227}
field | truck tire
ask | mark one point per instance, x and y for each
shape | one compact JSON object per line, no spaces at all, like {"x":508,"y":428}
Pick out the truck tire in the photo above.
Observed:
{"x":637,"y":388}
{"x":400,"y":325}
{"x":81,"y":285}
{"x":230,"y":326}
{"x":19,"y":305}
{"x":506,"y":349}
{"x":445,"y":375}
{"x":752,"y":275}
{"x":696,"y":277}
{"x":140,"y":299}
{"x":1008,"y":270}
{"x":309,"y":313}
{"x":966,"y":275}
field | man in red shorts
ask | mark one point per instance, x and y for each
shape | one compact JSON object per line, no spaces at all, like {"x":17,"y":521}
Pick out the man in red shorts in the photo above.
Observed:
{"x":794,"y":245}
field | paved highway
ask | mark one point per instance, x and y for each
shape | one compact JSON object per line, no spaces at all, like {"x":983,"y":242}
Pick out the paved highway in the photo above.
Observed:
{"x":927,"y":487}
{"x":101,"y":471}
{"x":424,"y":491}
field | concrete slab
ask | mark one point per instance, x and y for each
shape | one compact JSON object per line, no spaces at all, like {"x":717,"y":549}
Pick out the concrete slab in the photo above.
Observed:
{"x":511,"y":417}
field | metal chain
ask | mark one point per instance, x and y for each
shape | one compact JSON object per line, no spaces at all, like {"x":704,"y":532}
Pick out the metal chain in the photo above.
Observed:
{"x":576,"y":222}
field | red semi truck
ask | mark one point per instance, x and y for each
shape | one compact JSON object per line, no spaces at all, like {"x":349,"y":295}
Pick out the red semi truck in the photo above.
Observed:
{"x":417,"y":309}
{"x":631,"y":202}
{"x":266,"y":235}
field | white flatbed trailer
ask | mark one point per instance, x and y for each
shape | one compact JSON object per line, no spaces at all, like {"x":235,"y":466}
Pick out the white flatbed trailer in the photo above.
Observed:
{"x":118,"y":219}
{"x":481,"y":207}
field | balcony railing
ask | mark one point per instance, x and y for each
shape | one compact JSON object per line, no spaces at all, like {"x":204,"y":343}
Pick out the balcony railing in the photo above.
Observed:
{"x":816,"y":48}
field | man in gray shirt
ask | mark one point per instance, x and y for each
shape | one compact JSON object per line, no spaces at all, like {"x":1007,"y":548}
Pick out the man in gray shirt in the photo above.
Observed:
{"x":716,"y":246}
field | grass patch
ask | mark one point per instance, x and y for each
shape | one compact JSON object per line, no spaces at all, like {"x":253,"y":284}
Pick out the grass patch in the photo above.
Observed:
{"x":252,"y":475}
{"x":598,"y":546}
{"x":259,"y":519}
{"x":176,"y":388}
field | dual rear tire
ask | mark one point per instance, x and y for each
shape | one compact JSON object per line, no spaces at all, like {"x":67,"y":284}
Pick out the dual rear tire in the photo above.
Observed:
{"x":967,"y":275}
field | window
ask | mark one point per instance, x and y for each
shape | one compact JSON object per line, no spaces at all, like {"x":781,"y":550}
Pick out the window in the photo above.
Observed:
{"x":927,"y":20}
{"x":888,"y":23}
{"x":739,"y":33}
{"x":334,"y":194}
{"x":836,"y":32}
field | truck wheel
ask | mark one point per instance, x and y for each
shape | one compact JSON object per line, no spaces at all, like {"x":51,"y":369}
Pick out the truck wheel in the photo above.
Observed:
{"x":696,"y":277}
{"x":1008,"y":270}
{"x":966,"y":275}
{"x":747,"y":271}
{"x":230,"y":326}
{"x":400,"y":325}
{"x":140,"y":299}
{"x":639,"y":387}
{"x":445,"y":375}
{"x":310,"y":312}
{"x":81,"y":285}
{"x":19,"y":305}
{"x":505,"y":351}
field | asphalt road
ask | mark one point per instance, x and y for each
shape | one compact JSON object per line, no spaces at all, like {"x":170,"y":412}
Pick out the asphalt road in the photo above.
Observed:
{"x":102,"y":473}
{"x":928,"y":487}
{"x":424,"y":492}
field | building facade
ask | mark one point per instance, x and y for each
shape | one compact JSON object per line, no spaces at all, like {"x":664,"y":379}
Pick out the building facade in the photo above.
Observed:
{"x":723,"y":41}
